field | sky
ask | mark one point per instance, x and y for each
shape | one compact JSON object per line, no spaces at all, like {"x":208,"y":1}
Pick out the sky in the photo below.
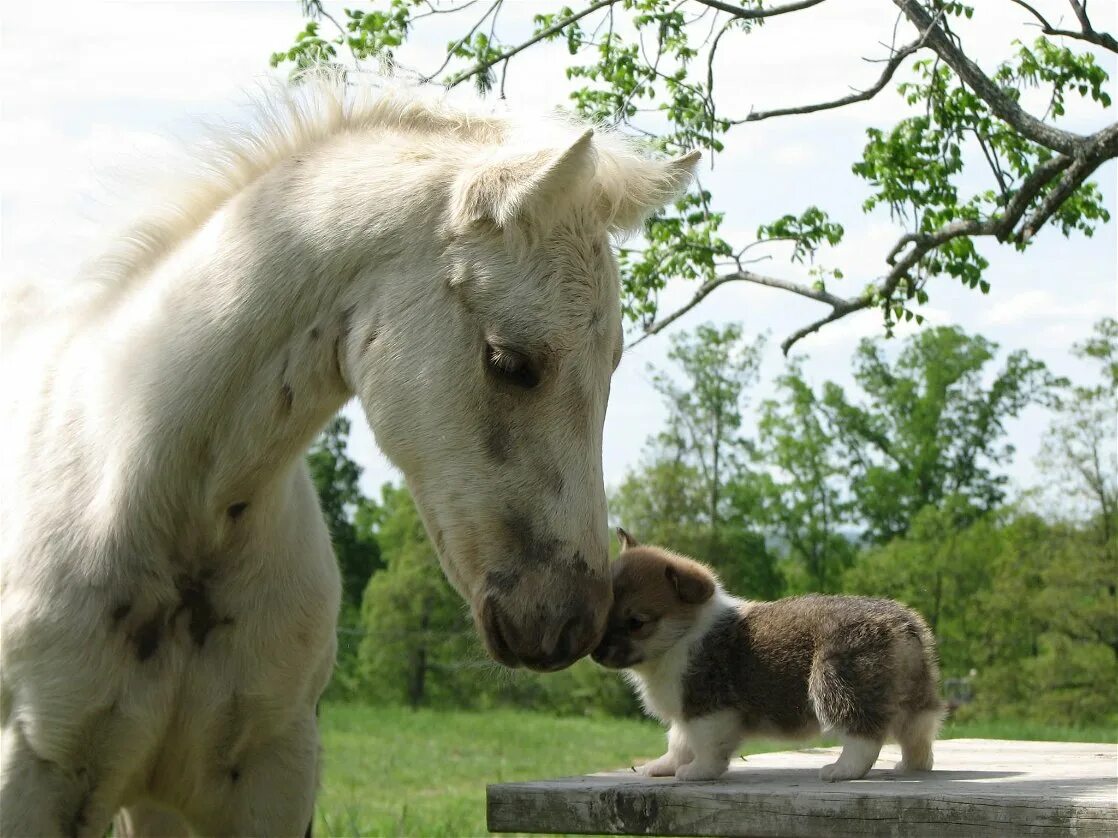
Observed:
{"x":91,"y":92}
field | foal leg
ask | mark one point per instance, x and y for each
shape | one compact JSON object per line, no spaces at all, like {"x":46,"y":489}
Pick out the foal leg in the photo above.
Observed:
{"x":269,"y":792}
{"x":40,"y":798}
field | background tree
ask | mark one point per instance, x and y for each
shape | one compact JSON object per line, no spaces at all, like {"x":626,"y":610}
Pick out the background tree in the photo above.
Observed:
{"x":695,"y":491}
{"x":349,"y":514}
{"x":652,"y":67}
{"x":930,"y":427}
{"x":1080,"y":449}
{"x":807,"y":503}
{"x":417,"y":633}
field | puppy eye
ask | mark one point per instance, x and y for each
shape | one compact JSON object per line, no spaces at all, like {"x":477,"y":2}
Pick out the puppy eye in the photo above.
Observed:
{"x":511,"y":367}
{"x":635,"y":623}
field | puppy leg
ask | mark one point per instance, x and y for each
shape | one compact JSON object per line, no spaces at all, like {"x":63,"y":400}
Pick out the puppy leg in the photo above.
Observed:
{"x":679,"y":753}
{"x":858,"y":755}
{"x":915,"y":733}
{"x":711,"y":738}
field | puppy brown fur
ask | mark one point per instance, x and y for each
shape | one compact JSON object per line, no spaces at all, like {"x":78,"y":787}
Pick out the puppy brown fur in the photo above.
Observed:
{"x":719,"y":669}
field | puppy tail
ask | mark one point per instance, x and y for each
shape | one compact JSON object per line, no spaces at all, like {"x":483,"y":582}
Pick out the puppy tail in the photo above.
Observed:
{"x":831,"y":697}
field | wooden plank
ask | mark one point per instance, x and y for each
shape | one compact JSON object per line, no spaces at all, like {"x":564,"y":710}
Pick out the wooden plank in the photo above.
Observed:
{"x":981,"y":787}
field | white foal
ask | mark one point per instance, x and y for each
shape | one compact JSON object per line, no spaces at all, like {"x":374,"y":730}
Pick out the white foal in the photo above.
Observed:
{"x":169,"y":589}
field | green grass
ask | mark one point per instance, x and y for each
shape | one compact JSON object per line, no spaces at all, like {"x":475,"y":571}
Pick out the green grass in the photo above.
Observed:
{"x":391,"y":771}
{"x":1029,"y":730}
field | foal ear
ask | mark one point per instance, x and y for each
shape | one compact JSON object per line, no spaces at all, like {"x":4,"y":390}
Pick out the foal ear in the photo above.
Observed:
{"x":693,"y":583}
{"x":638,"y":191}
{"x":503,"y":190}
{"x":625,"y":540}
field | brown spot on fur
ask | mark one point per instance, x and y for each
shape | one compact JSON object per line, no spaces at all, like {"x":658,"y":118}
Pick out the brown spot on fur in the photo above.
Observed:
{"x":234,"y":774}
{"x":235,"y":510}
{"x":528,"y":545}
{"x":120,"y":612}
{"x":338,"y":358}
{"x":371,"y":338}
{"x":316,"y":333}
{"x":195,"y":600}
{"x":502,"y":581}
{"x":146,"y":638}
{"x":287,"y":396}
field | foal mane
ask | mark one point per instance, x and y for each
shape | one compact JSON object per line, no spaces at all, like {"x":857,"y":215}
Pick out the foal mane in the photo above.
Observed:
{"x":290,"y":119}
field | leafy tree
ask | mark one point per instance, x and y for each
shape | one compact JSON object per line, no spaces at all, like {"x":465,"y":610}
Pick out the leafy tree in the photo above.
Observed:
{"x":938,"y":568}
{"x":806,"y":500}
{"x":705,"y":411}
{"x":695,"y":492}
{"x":348,"y":512}
{"x":417,"y":633}
{"x":1047,"y":646}
{"x":651,"y":66}
{"x":930,"y":428}
{"x":1079,"y":451}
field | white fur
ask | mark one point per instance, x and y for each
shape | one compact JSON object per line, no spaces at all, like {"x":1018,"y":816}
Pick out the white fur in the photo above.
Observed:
{"x":710,"y":739}
{"x":349,"y":244}
{"x":659,"y":681}
{"x":857,"y":758}
{"x":695,"y":748}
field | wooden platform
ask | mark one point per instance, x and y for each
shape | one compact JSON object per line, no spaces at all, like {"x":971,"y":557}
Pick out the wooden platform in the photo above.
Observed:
{"x":981,"y":787}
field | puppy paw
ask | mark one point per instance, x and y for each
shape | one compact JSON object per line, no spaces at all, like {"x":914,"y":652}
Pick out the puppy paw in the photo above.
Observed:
{"x":837,"y":772}
{"x":903,"y":767}
{"x":661,"y":767}
{"x":696,"y":771}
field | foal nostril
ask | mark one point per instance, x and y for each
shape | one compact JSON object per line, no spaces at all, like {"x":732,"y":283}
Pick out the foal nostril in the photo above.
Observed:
{"x":497,"y":635}
{"x":567,"y":642}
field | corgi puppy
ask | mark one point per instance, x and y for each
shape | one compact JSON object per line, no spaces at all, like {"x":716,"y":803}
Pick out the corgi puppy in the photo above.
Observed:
{"x":718,"y":669}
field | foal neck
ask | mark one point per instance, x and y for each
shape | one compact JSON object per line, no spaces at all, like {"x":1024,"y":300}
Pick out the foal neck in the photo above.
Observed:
{"x":227,"y":360}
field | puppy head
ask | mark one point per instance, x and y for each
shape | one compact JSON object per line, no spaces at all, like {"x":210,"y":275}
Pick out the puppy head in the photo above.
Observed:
{"x":657,"y":596}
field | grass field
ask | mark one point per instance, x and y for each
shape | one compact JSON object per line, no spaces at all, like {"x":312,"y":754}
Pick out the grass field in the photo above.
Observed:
{"x":392,"y":771}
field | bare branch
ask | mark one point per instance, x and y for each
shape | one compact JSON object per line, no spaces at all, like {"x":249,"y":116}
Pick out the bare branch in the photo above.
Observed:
{"x":740,"y":276}
{"x":542,"y":35}
{"x":757,"y":14}
{"x":1040,"y":18}
{"x":890,"y":68}
{"x":477,"y":25}
{"x":1087,"y":31}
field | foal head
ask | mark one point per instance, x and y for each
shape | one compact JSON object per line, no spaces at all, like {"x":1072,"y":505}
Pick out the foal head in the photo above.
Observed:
{"x":488,"y":386}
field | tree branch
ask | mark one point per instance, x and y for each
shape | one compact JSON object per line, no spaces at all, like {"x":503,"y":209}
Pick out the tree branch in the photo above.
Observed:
{"x":915,"y":246}
{"x":890,"y":68}
{"x":756,"y":14}
{"x":739,"y":276}
{"x":542,"y":35}
{"x":1001,"y":104}
{"x":1087,"y":31}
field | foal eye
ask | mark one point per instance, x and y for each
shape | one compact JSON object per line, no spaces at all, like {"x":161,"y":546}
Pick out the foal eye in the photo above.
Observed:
{"x":635,"y":623}
{"x":511,"y":367}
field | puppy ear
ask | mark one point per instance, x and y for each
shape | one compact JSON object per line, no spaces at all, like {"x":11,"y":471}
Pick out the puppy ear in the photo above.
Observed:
{"x":692,"y":582}
{"x":625,"y":540}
